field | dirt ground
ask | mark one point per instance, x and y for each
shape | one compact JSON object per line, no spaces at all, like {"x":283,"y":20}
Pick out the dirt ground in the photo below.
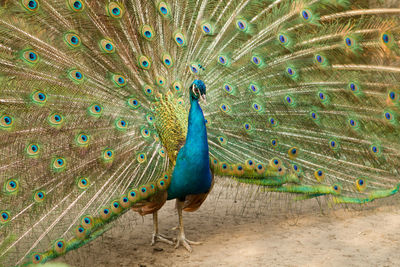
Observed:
{"x":241,"y":228}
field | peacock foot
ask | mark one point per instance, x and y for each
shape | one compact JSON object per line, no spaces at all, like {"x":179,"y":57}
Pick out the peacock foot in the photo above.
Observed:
{"x":162,"y":238}
{"x":181,"y":240}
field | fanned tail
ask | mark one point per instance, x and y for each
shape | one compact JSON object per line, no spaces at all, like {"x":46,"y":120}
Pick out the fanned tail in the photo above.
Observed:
{"x":305,"y":98}
{"x":78,"y":142}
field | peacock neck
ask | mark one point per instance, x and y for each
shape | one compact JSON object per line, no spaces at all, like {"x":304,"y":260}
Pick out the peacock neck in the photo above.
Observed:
{"x":192,"y":173}
{"x":196,"y":138}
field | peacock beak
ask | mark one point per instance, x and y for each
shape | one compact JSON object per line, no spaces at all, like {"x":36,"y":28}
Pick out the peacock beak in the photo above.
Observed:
{"x":203,"y":97}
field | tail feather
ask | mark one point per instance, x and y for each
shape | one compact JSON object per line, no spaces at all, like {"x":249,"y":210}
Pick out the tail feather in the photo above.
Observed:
{"x":75,"y":142}
{"x":317,"y":93}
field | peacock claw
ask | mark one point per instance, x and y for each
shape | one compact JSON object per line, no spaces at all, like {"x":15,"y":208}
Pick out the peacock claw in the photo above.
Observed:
{"x":186,"y":243}
{"x":162,"y":238}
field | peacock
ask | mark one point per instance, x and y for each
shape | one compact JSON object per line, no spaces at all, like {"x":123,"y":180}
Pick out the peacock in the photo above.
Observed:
{"x":115,"y":106}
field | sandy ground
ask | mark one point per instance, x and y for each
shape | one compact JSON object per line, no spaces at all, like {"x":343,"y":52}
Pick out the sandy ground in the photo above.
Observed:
{"x":254,"y":230}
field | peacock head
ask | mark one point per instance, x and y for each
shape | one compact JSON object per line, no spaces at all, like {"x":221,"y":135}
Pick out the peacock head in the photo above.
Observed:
{"x":198,"y":90}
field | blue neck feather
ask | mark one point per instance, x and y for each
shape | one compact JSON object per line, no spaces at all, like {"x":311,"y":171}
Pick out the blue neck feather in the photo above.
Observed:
{"x":192,"y":173}
{"x":196,"y":137}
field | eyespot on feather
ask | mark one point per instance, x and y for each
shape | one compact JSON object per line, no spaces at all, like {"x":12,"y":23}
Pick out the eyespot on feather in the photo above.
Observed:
{"x":76,"y":5}
{"x":105,"y":213}
{"x":147,"y":32}
{"x":293,"y":152}
{"x":95,"y":110}
{"x":256,"y":60}
{"x":323,"y":97}
{"x":225,"y":108}
{"x":133,"y":102}
{"x":76,"y":76}
{"x":146,"y":133}
{"x":334,"y":144}
{"x":116,"y":207}
{"x":375,"y":150}
{"x":83,"y":183}
{"x":260,"y":168}
{"x":87,"y":221}
{"x":387,"y":40}
{"x":337,"y":189}
{"x":80,"y":232}
{"x":275,"y":163}
{"x":289,"y":101}
{"x":390,"y":116}
{"x":30,"y":56}
{"x":162,"y":184}
{"x":115,"y":10}
{"x":82,"y":140}
{"x":58,"y":164}
{"x":161,"y":152}
{"x":152,"y":188}
{"x":141,"y":158}
{"x":242,"y":25}
{"x":274,"y":142}
{"x":4,"y":217}
{"x":38,"y":97}
{"x":121,"y":124}
{"x":124,"y":202}
{"x":194,"y":69}
{"x":247,"y":127}
{"x":222,"y":140}
{"x":306,"y":15}
{"x":133,"y":196}
{"x":319,"y":175}
{"x":177,"y":86}
{"x":207,"y":28}
{"x":107,"y":155}
{"x":163,"y":9}
{"x":119,"y":80}
{"x":144,"y":191}
{"x":273,"y":122}
{"x":32,"y":150}
{"x":224,"y":167}
{"x":6,"y":122}
{"x":257,"y":107}
{"x":296,"y":168}
{"x":223,"y":60}
{"x":361,"y":184}
{"x":144,"y":62}
{"x":72,"y":40}
{"x":179,"y":39}
{"x":107,"y":46}
{"x":238,"y":169}
{"x":167,"y":60}
{"x":160,"y":81}
{"x":36,"y":258}
{"x":30,"y":5}
{"x":39,"y":196}
{"x":254,"y":88}
{"x":55,"y":120}
{"x":11,"y":186}
{"x":250,"y":165}
{"x":283,"y":39}
{"x":60,"y":246}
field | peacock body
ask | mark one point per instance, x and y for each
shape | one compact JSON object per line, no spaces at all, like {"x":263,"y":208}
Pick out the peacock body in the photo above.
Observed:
{"x":192,"y":174}
{"x":101,"y":109}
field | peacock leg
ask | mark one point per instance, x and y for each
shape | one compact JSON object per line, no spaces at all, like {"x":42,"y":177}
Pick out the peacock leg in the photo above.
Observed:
{"x":181,"y":239}
{"x":157,"y":236}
